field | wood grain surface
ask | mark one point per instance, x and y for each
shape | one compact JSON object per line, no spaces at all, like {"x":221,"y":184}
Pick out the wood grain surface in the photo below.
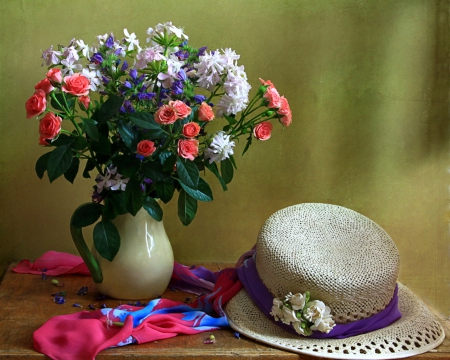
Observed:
{"x":26,"y":303}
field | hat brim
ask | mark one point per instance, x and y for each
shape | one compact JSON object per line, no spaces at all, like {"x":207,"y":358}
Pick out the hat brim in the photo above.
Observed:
{"x":416,"y":332}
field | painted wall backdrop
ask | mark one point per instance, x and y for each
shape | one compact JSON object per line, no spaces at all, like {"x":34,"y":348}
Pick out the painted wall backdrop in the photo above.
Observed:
{"x":368,"y":84}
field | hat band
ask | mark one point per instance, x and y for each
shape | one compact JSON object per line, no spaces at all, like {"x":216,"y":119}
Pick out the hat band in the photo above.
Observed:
{"x":263,"y":298}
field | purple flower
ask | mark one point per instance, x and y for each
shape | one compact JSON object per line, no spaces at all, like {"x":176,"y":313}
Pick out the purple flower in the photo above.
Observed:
{"x":105,"y":79}
{"x":127,"y":107}
{"x":146,"y":96}
{"x":109,"y":42}
{"x":182,"y":75}
{"x":177,"y":87}
{"x":124,"y":66}
{"x":97,"y":58}
{"x":59,"y":300}
{"x":199,"y":98}
{"x":182,"y":54}
{"x":118,"y":51}
{"x":133,"y":73}
{"x":128,"y":85}
{"x":201,"y":51}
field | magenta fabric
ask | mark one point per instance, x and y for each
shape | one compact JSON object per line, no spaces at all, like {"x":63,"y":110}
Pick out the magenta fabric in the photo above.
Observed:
{"x":262,"y":297}
{"x":84,"y":334}
{"x":53,"y":263}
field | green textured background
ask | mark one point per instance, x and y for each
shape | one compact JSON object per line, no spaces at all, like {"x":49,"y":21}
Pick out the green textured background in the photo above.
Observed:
{"x":368,"y":83}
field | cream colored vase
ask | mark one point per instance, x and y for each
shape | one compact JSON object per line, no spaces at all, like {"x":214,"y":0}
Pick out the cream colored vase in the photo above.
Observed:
{"x":143,"y":266}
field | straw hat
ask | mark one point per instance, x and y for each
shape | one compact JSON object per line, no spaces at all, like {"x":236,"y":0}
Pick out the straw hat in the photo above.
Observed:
{"x":347,"y":262}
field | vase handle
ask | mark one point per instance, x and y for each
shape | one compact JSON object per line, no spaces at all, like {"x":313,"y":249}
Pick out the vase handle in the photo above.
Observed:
{"x":92,"y":264}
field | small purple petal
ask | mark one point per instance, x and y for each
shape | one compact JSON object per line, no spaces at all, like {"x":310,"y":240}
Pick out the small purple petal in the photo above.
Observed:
{"x":91,"y":307}
{"x":110,"y":42}
{"x":76,"y":305}
{"x":83,"y":290}
{"x":124,"y":66}
{"x":133,"y":74}
{"x":59,"y":300}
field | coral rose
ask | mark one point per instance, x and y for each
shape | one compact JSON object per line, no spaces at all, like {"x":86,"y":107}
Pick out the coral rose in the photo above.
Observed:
{"x":285,"y":112}
{"x":44,"y":85}
{"x":273,"y":98}
{"x":146,"y":148}
{"x":263,"y":130}
{"x":49,"y":126}
{"x":188,"y":149}
{"x":166,"y":115}
{"x":205,"y":112}
{"x":84,"y":102}
{"x":76,"y":84}
{"x":266,"y":82}
{"x":36,"y":104}
{"x":182,"y":110}
{"x":54,"y":75}
{"x":191,"y":130}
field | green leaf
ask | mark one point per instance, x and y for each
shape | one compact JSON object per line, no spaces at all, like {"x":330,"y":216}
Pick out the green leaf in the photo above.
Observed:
{"x":114,"y":205}
{"x":126,"y":165}
{"x":187,"y":208}
{"x":106,"y":239}
{"x":90,"y":128}
{"x":102,"y":146}
{"x":232,"y":161}
{"x":145,"y":120}
{"x":79,"y":143}
{"x":214,"y":169}
{"x":249,"y":142}
{"x":89,"y":167}
{"x":231,"y":120}
{"x":169,"y":162}
{"x":133,"y":196}
{"x":59,"y":161}
{"x":62,"y":139}
{"x":41,"y":165}
{"x":187,"y":173}
{"x":60,"y":98}
{"x":165,"y":190}
{"x":72,"y":172}
{"x":86,"y":214}
{"x":129,"y":135}
{"x":226,"y":169}
{"x":154,"y":170}
{"x":153,"y":208}
{"x":203,"y":193}
{"x":109,"y":109}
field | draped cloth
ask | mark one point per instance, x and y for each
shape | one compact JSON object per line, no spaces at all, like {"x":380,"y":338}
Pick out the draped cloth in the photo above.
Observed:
{"x":84,"y":334}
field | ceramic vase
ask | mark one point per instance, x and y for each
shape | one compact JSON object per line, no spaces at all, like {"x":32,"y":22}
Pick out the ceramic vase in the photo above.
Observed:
{"x":143,"y":266}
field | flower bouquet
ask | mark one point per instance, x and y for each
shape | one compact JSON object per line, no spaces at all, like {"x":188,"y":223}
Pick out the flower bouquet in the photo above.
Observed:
{"x":137,"y":120}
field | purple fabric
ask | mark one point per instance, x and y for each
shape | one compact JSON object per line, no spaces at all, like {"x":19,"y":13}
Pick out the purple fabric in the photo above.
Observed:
{"x":262,"y":297}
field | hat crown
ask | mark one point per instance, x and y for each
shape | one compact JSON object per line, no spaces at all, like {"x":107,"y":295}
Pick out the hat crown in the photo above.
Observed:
{"x":341,"y":257}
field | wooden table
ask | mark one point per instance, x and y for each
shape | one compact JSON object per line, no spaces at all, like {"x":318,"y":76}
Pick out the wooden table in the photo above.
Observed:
{"x":26,"y":303}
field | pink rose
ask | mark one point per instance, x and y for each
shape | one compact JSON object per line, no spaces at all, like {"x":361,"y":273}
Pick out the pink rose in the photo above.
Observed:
{"x":54,"y":75}
{"x":84,"y":102}
{"x":263,"y":130}
{"x":76,"y":84}
{"x":285,"y":112}
{"x":44,"y":85}
{"x":182,"y":110}
{"x":166,"y":115}
{"x":43,"y":141}
{"x":188,"y":149}
{"x":49,"y":126}
{"x":36,"y":104}
{"x":268,"y":82}
{"x":205,"y":112}
{"x":191,"y":130}
{"x":146,"y":148}
{"x":273,"y":98}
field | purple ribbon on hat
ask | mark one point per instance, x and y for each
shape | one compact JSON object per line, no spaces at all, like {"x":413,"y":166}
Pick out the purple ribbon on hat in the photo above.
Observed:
{"x":263,"y":298}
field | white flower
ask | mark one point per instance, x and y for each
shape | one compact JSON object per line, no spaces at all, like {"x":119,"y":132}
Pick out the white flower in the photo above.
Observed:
{"x":119,"y":183}
{"x":102,"y":39}
{"x":277,"y":311}
{"x":173,"y":67}
{"x":297,"y":301}
{"x":220,"y":149}
{"x":148,"y":55}
{"x":132,"y":40}
{"x":168,"y":28}
{"x":289,"y":316}
{"x":83,"y":48}
{"x":94,"y":77}
{"x":70,"y":67}
{"x":71,"y":54}
{"x":231,"y":104}
{"x":50,"y":56}
{"x":324,"y":324}
{"x":230,"y":56}
{"x":210,"y":68}
{"x":314,"y":310}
